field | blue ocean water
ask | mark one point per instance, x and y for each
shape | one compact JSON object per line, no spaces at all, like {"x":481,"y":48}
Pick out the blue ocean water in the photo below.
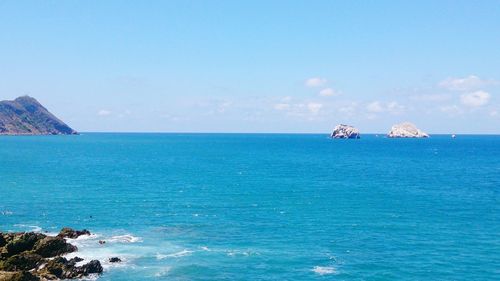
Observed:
{"x":263,"y":206}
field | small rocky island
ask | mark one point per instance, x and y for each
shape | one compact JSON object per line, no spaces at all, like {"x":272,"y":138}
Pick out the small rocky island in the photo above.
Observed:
{"x":345,"y":132}
{"x":406,"y":130}
{"x":33,"y":256}
{"x":26,"y":116}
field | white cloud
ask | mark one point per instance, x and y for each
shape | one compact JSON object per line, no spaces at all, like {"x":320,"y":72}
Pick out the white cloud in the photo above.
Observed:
{"x":328,"y":92}
{"x":494,"y":113}
{"x":314,"y":107}
{"x":475,"y":99}
{"x":315,"y":82}
{"x":282,"y":106}
{"x":468,"y":83}
{"x":103,"y":112}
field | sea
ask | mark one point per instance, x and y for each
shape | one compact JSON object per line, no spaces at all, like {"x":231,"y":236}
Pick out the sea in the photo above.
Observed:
{"x":262,"y":206}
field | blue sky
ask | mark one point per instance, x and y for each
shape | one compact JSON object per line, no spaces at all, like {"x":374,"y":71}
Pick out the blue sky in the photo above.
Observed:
{"x":256,"y":66}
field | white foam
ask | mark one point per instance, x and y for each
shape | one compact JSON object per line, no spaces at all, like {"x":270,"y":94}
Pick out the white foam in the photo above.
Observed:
{"x":89,"y":248}
{"x":324,"y":270}
{"x":163,"y":272}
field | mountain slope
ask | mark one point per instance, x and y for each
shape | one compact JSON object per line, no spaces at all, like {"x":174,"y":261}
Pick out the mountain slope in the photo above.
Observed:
{"x":26,"y":116}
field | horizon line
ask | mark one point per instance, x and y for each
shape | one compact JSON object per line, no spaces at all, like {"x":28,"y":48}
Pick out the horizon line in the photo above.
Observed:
{"x":260,"y":133}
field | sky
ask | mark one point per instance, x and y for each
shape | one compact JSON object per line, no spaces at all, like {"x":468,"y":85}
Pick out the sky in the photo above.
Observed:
{"x":256,"y":66}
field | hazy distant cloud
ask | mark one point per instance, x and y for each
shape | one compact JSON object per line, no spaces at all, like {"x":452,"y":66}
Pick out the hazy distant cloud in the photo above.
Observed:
{"x":375,"y":107}
{"x":451,"y":109}
{"x":475,"y":99}
{"x":281,"y":106}
{"x":432,"y":97}
{"x":328,"y":92}
{"x":379,"y":107}
{"x":103,"y":112}
{"x":315,"y":82}
{"x":314,"y":107}
{"x":348,"y":109}
{"x":124,"y":113}
{"x":299,"y":108}
{"x":471,"y":82}
{"x":223,"y":106}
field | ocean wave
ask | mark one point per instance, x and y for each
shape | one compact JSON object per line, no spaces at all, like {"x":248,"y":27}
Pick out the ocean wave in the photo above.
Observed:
{"x":324,"y":270}
{"x":182,"y":253}
{"x":127,"y":238}
{"x":244,"y":253}
{"x":33,"y":228}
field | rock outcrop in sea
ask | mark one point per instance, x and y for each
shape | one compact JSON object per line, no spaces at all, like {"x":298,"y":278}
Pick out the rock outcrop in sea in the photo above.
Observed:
{"x":406,"y":130}
{"x":26,"y":116}
{"x":32,"y":256}
{"x":345,"y":132}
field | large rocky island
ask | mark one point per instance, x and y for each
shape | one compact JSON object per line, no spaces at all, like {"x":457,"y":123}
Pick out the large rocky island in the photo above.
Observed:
{"x":345,"y":132}
{"x":33,"y":256}
{"x":406,"y":130}
{"x":26,"y":116}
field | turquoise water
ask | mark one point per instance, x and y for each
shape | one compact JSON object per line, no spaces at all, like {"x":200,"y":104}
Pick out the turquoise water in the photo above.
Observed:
{"x":263,"y":206}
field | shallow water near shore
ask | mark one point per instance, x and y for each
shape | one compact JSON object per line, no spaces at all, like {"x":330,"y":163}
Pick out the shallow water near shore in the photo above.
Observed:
{"x":262,"y":206}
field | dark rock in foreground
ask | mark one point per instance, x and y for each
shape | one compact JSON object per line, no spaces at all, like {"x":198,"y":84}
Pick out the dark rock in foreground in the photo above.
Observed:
{"x":345,"y":132}
{"x":17,"y":276}
{"x":53,"y":246}
{"x":26,"y":116}
{"x":35,"y":256}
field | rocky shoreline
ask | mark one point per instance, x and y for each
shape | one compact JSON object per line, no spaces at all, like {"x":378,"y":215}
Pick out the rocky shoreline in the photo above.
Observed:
{"x":33,"y":256}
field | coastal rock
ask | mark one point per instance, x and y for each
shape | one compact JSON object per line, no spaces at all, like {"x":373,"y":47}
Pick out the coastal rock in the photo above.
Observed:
{"x":75,"y":260}
{"x":71,"y":233}
{"x":20,"y":242}
{"x":26,"y":116}
{"x":17,"y":276}
{"x":53,"y":246}
{"x":406,"y":130}
{"x":23,"y":261}
{"x":345,"y":132}
{"x":114,"y":259}
{"x":94,"y":266}
{"x":61,"y":268}
{"x":34,"y":256}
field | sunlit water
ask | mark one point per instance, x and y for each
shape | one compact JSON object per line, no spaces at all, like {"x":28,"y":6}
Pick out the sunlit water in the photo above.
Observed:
{"x":263,"y":207}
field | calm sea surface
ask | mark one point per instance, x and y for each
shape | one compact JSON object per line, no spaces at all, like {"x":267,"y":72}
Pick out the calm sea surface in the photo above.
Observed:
{"x":263,"y":206}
